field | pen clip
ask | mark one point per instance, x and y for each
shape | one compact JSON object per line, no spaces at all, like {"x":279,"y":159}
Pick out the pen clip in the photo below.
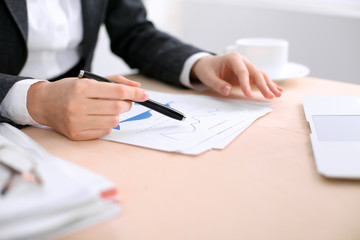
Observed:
{"x":81,"y":74}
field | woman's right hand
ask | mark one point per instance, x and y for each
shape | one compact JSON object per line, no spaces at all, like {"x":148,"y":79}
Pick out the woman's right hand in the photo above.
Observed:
{"x":82,"y":109}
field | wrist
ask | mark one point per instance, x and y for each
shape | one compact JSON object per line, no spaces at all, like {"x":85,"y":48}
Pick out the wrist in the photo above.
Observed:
{"x":35,"y":101}
{"x":196,"y":69}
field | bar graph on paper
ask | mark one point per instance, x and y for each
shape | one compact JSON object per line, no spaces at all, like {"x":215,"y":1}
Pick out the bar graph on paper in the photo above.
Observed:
{"x":210,"y":123}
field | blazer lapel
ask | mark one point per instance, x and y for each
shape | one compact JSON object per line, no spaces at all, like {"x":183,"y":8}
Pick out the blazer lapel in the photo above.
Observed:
{"x":92,"y":12}
{"x":18,"y":11}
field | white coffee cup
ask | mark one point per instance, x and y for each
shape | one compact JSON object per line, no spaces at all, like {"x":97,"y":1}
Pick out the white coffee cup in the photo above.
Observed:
{"x":268,"y":54}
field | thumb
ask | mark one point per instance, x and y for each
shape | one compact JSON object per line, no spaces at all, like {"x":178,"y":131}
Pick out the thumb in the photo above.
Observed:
{"x":218,"y":84}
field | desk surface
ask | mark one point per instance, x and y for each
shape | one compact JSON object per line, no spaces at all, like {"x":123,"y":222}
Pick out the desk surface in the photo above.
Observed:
{"x":264,"y":185}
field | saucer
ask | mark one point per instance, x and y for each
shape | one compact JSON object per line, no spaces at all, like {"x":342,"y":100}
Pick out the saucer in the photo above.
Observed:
{"x":290,"y":70}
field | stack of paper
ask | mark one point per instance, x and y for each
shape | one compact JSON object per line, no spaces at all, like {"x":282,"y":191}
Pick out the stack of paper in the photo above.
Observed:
{"x":211,"y":123}
{"x":69,"y":198}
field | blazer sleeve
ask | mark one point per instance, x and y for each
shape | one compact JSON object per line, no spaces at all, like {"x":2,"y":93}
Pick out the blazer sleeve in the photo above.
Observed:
{"x":141,"y":45}
{"x":7,"y":81}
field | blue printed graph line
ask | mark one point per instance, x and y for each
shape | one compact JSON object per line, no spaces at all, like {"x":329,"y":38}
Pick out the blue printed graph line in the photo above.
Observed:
{"x":138,"y":117}
{"x":193,"y":128}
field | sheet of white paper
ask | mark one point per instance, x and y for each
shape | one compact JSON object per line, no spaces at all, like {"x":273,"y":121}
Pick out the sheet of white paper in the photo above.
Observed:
{"x":208,"y":121}
{"x":68,"y":199}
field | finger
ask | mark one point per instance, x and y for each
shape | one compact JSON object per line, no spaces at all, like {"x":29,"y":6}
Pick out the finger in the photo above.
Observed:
{"x":261,"y":83}
{"x":259,"y":80}
{"x":90,"y":134}
{"x":106,"y":107}
{"x":92,"y":122}
{"x":123,"y":80}
{"x":217,"y":84}
{"x":74,"y":127}
{"x":98,"y":122}
{"x":95,"y":89}
{"x":274,"y":88}
{"x":241,"y":72}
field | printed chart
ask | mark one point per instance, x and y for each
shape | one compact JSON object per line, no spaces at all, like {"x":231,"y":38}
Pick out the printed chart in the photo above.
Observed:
{"x":211,"y":123}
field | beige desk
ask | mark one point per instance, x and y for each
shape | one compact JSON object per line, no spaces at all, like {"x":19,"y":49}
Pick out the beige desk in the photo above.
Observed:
{"x":264,"y":185}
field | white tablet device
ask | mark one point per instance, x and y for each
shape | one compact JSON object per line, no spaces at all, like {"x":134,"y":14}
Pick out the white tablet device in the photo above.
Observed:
{"x":335,"y":134}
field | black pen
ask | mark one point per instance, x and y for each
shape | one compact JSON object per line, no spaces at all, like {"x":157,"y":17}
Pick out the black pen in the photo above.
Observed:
{"x":156,"y":106}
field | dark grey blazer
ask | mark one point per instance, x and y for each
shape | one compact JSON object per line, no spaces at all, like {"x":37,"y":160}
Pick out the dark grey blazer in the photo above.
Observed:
{"x":132,"y":36}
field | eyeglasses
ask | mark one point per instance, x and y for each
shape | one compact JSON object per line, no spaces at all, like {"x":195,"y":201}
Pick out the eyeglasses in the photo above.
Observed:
{"x":16,"y":162}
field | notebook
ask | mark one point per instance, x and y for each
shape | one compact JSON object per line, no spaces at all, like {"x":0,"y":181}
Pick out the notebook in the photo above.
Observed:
{"x":335,"y":134}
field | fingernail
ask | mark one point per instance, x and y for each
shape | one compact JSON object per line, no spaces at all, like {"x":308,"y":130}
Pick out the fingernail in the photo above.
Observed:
{"x":270,"y":95}
{"x":145,"y":96}
{"x":226,"y":90}
{"x":250,"y":94}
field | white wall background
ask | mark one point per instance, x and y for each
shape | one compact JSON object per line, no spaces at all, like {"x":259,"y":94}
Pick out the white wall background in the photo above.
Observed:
{"x":323,"y":34}
{"x":165,"y":14}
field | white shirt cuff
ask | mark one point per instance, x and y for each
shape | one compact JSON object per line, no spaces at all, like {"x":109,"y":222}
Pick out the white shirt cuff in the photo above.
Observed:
{"x":14,"y":103}
{"x":185,"y":73}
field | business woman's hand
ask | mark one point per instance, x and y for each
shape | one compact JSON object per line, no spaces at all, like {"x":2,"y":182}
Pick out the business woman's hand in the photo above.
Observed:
{"x":82,"y":109}
{"x":222,"y":72}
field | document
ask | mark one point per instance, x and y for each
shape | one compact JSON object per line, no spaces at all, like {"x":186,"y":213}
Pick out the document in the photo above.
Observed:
{"x":68,"y":198}
{"x":211,"y":123}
